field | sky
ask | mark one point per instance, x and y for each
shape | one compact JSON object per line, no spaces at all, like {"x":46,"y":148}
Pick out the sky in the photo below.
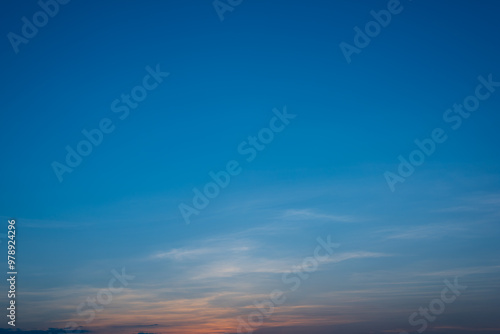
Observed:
{"x":237,"y":166}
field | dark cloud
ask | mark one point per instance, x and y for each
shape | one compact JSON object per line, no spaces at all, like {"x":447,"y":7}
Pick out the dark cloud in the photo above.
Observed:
{"x":365,"y":328}
{"x":36,"y":331}
{"x":135,"y":326}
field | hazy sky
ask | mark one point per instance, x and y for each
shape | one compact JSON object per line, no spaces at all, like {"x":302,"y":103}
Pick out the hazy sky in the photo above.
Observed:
{"x":311,"y":145}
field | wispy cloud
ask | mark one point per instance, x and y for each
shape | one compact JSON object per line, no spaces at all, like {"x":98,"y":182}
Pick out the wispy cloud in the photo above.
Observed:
{"x":192,"y":253}
{"x":181,"y":254}
{"x":466,"y":329}
{"x":463,"y":271}
{"x":422,"y":232}
{"x":310,"y":214}
{"x":355,"y":255}
{"x":246,"y":265}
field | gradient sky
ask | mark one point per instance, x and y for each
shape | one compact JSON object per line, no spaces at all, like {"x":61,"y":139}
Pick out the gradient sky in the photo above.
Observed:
{"x":323,"y":175}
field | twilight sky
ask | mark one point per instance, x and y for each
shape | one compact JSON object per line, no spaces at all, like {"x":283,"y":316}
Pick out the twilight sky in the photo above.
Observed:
{"x":190,"y":166}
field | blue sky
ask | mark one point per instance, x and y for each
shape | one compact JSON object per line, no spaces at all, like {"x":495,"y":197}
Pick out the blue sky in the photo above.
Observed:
{"x":322,"y":175}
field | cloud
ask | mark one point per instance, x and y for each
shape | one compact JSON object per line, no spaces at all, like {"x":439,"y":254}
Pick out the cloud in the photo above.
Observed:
{"x":241,"y":254}
{"x":182,"y":253}
{"x":463,"y":271}
{"x":479,"y":203}
{"x":336,"y":258}
{"x":48,"y":331}
{"x":251,"y":265}
{"x":310,"y":214}
{"x":134,"y":326}
{"x":422,"y":232}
